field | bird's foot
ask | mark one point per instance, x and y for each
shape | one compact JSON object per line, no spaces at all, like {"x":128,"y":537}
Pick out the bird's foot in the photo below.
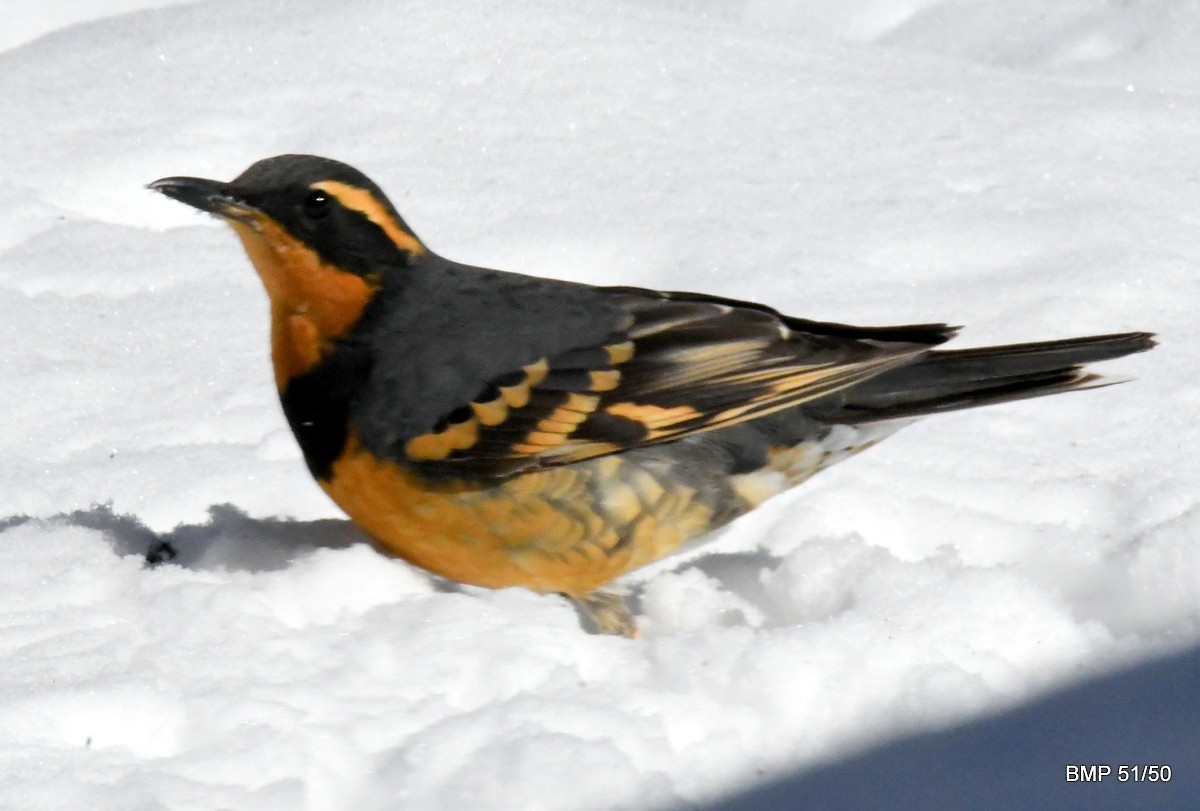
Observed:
{"x":605,"y":612}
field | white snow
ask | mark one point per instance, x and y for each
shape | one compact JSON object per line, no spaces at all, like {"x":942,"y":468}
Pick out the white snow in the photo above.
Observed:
{"x":1029,"y":172}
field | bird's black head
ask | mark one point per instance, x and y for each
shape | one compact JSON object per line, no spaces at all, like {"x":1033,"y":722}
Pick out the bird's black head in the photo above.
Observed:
{"x":328,"y":206}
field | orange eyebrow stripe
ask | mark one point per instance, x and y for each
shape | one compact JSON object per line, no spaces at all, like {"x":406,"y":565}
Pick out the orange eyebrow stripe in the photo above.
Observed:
{"x":365,"y":203}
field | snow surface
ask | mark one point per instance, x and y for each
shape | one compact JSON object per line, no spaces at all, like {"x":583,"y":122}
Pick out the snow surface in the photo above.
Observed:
{"x":1029,"y":173}
{"x":1010,"y":761}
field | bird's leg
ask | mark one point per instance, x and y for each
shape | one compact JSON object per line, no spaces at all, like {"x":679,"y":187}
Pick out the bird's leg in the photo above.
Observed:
{"x":605,"y":612}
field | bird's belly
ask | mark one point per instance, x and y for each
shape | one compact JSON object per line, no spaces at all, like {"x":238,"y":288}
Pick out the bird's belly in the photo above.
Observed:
{"x":566,"y":529}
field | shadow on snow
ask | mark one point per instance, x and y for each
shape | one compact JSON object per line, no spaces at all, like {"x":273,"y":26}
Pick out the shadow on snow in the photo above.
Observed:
{"x":230,"y":539}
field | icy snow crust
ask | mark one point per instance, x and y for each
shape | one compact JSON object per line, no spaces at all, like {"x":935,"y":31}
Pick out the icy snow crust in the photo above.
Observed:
{"x":1029,"y":177}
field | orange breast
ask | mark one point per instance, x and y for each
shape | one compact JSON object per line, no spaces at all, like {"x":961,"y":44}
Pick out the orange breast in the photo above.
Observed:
{"x":311,"y":301}
{"x":568,"y":529}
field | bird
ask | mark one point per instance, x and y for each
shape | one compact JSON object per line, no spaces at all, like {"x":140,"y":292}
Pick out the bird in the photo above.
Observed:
{"x":501,"y":429}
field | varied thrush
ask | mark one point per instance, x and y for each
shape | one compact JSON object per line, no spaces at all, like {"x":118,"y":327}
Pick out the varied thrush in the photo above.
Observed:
{"x":506,"y":430}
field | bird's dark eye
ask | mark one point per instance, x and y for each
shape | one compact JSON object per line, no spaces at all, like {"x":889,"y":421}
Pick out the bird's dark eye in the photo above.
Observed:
{"x":317,"y":205}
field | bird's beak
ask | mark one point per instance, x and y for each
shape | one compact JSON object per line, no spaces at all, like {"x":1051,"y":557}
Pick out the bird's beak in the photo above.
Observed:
{"x":211,"y":196}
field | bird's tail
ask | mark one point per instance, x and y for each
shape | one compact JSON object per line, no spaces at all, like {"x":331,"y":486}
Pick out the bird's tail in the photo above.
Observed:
{"x":949,"y":380}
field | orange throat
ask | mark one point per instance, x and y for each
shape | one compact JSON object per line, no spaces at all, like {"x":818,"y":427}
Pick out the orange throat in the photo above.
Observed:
{"x":312,"y":302}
